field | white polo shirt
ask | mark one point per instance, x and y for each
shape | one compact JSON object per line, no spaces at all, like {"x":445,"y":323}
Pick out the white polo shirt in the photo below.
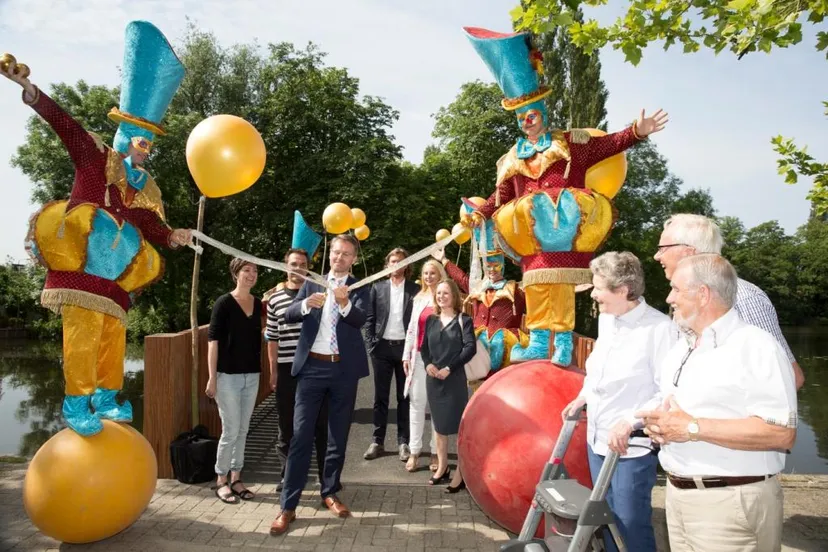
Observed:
{"x":620,"y":372}
{"x":736,"y":371}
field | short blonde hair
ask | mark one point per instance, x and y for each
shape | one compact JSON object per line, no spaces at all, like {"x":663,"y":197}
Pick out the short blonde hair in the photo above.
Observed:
{"x":620,"y":269}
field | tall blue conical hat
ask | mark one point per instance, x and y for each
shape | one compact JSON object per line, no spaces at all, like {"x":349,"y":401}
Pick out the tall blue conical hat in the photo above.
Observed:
{"x":151,"y":75}
{"x":303,"y":235}
{"x":514,"y":64}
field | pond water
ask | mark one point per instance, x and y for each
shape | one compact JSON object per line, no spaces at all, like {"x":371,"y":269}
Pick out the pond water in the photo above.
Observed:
{"x":31,"y":395}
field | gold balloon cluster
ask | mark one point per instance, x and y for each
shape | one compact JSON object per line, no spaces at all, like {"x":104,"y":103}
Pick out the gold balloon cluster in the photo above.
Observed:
{"x":20,"y":69}
{"x":338,"y":218}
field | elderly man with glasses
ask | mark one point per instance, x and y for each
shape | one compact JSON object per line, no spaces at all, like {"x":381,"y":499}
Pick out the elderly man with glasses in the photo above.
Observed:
{"x":725,"y":413}
{"x":686,"y":235}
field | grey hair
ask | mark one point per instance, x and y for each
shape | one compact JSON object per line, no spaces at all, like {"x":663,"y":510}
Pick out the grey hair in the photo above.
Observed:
{"x":716,"y":273}
{"x":697,"y":231}
{"x":620,"y":269}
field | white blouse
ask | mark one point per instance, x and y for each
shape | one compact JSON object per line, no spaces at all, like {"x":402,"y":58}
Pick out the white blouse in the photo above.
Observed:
{"x":621,"y":371}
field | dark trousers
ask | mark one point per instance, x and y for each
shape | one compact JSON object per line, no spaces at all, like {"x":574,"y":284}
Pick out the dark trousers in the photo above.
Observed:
{"x":317,"y":382}
{"x":285,"y":402}
{"x":387,"y":361}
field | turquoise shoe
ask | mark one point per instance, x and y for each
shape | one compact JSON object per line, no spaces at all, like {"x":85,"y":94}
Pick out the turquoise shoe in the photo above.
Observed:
{"x":79,"y":417}
{"x":538,"y":348}
{"x":105,"y":405}
{"x":563,"y":349}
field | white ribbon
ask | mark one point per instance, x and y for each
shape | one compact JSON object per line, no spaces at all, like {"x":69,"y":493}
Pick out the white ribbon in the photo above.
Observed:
{"x":313,"y":276}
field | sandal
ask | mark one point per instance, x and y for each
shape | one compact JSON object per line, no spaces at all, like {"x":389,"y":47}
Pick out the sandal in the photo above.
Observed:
{"x":229,"y":499}
{"x":412,"y":464}
{"x":244,"y":494}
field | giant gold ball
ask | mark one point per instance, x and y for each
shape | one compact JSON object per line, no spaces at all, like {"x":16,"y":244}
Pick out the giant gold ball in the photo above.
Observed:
{"x":85,"y":489}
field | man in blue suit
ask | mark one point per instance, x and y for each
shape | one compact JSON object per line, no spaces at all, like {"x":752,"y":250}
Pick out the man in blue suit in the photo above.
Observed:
{"x":330,"y":360}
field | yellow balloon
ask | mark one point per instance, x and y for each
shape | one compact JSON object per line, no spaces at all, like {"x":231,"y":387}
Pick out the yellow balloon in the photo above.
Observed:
{"x":85,"y":489}
{"x":359,"y":217}
{"x":225,"y":154}
{"x":337,"y":218}
{"x":462,"y":238}
{"x":362,"y":233}
{"x":442,"y":234}
{"x":607,"y":176}
{"x":476,"y":201}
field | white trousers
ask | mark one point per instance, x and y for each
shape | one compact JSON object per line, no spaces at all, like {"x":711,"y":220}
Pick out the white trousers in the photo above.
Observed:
{"x":418,"y":404}
{"x":742,"y":518}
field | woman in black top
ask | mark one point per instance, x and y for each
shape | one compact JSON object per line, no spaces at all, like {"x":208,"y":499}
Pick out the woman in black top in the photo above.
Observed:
{"x":448,"y":344}
{"x":234,"y":358}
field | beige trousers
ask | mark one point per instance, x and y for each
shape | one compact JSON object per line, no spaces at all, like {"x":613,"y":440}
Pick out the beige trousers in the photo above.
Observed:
{"x":743,"y":518}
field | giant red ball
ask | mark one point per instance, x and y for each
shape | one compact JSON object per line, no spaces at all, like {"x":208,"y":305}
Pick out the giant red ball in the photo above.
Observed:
{"x":507,"y":435}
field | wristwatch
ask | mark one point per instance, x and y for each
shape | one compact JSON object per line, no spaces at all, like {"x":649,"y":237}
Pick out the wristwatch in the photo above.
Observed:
{"x":693,"y":429}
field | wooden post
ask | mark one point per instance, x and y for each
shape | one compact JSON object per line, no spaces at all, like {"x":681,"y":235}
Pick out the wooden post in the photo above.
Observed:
{"x":194,"y":388}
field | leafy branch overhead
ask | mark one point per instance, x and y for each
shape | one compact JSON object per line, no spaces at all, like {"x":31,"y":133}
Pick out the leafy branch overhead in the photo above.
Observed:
{"x":741,"y":26}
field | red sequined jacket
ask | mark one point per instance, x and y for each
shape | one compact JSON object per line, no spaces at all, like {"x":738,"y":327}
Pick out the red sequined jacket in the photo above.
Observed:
{"x":582,"y":157}
{"x":494,"y":311}
{"x":90,"y":186}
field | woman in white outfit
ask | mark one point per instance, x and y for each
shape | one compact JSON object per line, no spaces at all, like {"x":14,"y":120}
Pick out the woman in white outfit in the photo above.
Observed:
{"x":430,"y":275}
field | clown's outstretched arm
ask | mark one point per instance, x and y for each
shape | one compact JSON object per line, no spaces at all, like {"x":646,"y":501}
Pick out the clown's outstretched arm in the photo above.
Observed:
{"x":82,"y":148}
{"x":598,"y":148}
{"x":504,"y":192}
{"x":155,"y":229}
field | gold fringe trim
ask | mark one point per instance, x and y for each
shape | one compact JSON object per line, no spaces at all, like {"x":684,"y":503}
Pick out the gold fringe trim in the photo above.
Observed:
{"x":557,"y":276}
{"x":55,"y":299}
{"x":579,"y":136}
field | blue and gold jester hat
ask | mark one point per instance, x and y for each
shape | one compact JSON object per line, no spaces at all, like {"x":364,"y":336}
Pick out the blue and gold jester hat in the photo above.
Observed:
{"x":304,"y":236}
{"x":151,"y":75}
{"x":513,"y":62}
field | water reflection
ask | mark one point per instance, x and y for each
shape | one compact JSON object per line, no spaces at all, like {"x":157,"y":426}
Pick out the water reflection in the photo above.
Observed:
{"x":31,"y":393}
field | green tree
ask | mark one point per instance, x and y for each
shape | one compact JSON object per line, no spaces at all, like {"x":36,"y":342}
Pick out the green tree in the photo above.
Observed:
{"x":741,"y":26}
{"x":579,"y":96}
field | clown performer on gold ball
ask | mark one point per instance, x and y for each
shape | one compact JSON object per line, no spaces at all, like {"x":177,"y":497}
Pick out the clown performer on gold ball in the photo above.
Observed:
{"x":98,"y":246}
{"x":545,"y":216}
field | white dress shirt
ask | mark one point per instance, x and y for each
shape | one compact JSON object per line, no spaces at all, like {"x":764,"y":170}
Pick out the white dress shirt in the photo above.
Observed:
{"x":394,"y":327}
{"x":735,"y":371}
{"x":322,"y":343}
{"x":620,"y":372}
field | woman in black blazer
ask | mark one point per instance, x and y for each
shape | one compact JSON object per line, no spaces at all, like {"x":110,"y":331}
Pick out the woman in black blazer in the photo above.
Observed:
{"x":449,"y":343}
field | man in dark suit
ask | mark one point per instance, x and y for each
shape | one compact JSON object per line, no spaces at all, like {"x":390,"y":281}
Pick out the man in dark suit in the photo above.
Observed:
{"x":385,"y":331}
{"x":330,"y":360}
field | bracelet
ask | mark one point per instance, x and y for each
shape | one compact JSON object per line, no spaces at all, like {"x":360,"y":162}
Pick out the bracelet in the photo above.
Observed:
{"x":637,"y":137}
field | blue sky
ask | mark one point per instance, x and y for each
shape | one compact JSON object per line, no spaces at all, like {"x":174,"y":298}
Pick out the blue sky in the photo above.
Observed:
{"x":413,"y":54}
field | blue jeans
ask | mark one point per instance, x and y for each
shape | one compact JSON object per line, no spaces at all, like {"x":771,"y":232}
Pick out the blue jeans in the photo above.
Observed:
{"x":630,"y":498}
{"x":236,"y":397}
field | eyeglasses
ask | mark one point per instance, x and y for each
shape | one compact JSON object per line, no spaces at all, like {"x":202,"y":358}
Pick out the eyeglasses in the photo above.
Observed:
{"x":681,"y":367}
{"x":662,"y":248}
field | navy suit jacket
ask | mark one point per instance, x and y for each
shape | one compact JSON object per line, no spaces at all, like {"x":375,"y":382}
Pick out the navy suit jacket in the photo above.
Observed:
{"x":352,"y":355}
{"x":380,"y":307}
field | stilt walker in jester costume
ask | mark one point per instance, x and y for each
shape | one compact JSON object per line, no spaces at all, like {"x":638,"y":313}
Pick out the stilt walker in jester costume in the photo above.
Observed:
{"x":544,"y":216}
{"x":498,"y":305}
{"x":98,"y":245}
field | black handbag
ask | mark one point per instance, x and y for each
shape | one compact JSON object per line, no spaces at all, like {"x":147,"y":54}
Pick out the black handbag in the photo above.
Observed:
{"x":193,"y":456}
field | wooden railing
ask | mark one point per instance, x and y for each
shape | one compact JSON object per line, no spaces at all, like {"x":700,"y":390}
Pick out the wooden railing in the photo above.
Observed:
{"x":167,"y":398}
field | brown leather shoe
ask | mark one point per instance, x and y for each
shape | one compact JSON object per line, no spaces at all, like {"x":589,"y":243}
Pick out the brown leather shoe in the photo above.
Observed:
{"x":282,"y":522}
{"x":336,"y":506}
